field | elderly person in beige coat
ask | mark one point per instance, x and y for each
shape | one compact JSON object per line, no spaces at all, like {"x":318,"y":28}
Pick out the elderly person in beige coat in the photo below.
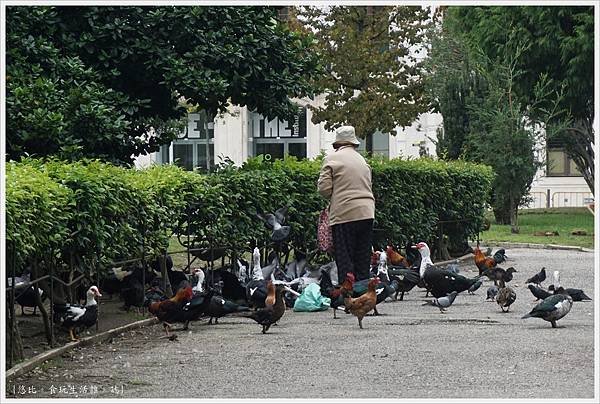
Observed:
{"x":345,"y":180}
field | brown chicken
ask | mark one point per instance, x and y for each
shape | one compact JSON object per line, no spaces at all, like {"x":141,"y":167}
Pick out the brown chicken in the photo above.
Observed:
{"x":395,"y":258}
{"x":270,"y":299}
{"x":363,"y":304}
{"x":171,"y":310}
{"x":483,"y":263}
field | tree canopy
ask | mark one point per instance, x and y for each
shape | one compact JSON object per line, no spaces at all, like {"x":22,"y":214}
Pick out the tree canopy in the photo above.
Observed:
{"x":373,"y":64}
{"x":108,"y":82}
{"x":559,"y":43}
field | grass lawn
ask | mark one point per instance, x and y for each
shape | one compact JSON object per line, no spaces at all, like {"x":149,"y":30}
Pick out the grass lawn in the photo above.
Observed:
{"x":561,"y":220}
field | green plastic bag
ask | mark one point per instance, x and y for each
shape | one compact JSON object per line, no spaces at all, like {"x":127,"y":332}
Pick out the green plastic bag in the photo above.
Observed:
{"x":311,"y":299}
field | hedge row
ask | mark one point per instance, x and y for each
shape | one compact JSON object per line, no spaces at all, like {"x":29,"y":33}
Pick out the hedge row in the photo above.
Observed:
{"x":94,"y":211}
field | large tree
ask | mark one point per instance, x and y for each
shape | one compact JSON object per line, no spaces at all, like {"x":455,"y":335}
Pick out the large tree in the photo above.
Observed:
{"x":108,"y":82}
{"x":485,"y":118}
{"x":560,"y":47}
{"x":373,"y":62}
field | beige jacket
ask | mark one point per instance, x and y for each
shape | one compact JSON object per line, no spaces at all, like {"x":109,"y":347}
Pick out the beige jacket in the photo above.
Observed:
{"x":345,"y":179}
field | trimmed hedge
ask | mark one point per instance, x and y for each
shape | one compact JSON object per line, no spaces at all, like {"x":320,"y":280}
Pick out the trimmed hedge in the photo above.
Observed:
{"x":93,"y":210}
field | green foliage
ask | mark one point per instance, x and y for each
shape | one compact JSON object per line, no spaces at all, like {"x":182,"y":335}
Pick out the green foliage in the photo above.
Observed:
{"x":486,"y":119}
{"x":411,"y":197}
{"x":105,"y":214}
{"x":108,"y":82}
{"x":559,"y":43}
{"x":37,"y":211}
{"x":98,"y":213}
{"x":373,"y":71}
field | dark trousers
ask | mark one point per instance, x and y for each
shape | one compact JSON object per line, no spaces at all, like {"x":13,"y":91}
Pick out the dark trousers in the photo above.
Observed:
{"x":352,"y":242}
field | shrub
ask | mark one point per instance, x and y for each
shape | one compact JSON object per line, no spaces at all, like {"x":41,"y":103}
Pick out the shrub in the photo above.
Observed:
{"x":99,"y":212}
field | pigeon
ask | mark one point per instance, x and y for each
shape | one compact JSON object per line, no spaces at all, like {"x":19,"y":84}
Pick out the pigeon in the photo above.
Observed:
{"x":538,"y":293}
{"x":553,"y":307}
{"x":275,"y":222}
{"x":577,"y":295}
{"x":475,"y":286}
{"x":538,"y":278}
{"x":492,"y":292}
{"x":443,"y":302}
{"x":453,"y":267}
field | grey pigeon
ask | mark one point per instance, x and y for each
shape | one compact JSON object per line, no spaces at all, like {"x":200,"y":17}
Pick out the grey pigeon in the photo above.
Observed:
{"x":538,"y":293}
{"x":453,"y":267}
{"x":492,"y":292}
{"x":275,"y":222}
{"x":475,"y":286}
{"x":442,"y":302}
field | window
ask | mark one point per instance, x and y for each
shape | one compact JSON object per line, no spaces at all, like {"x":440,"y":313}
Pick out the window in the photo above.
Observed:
{"x":560,"y":165}
{"x":277,"y":138}
{"x":190,"y":149}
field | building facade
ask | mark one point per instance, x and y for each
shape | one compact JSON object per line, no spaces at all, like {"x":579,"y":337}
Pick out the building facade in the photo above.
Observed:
{"x":240,"y":134}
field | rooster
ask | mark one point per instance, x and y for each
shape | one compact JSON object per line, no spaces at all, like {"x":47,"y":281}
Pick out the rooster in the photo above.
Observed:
{"x":172,"y":310}
{"x":486,"y":263}
{"x":360,"y":306}
{"x":335,"y":293}
{"x":483,"y":263}
{"x":395,"y":258}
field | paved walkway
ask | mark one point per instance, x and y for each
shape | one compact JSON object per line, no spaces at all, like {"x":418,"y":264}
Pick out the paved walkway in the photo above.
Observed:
{"x":411,"y":351}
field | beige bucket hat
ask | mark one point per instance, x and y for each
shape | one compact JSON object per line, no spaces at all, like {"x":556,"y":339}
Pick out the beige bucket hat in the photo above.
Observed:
{"x":346,"y":134}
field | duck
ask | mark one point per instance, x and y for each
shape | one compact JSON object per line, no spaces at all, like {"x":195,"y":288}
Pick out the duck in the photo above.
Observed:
{"x":219,"y":307}
{"x":199,"y":274}
{"x":25,"y":294}
{"x":256,"y":288}
{"x":73,"y":317}
{"x":505,"y":297}
{"x":28,"y":298}
{"x":552,"y":308}
{"x":439,"y":281}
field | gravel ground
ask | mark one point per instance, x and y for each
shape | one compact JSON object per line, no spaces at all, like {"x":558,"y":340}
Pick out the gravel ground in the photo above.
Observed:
{"x":410,"y":351}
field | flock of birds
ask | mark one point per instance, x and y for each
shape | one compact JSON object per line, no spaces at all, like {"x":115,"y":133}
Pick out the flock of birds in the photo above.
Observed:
{"x":263,"y":293}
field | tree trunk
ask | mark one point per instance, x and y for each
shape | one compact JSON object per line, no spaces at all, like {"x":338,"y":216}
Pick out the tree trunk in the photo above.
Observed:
{"x":502,"y":215}
{"x":514,"y":224}
{"x":369,"y":144}
{"x":34,"y":275}
{"x":14,"y":345}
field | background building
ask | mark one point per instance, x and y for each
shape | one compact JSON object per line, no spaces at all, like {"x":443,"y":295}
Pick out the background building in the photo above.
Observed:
{"x":240,"y":134}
